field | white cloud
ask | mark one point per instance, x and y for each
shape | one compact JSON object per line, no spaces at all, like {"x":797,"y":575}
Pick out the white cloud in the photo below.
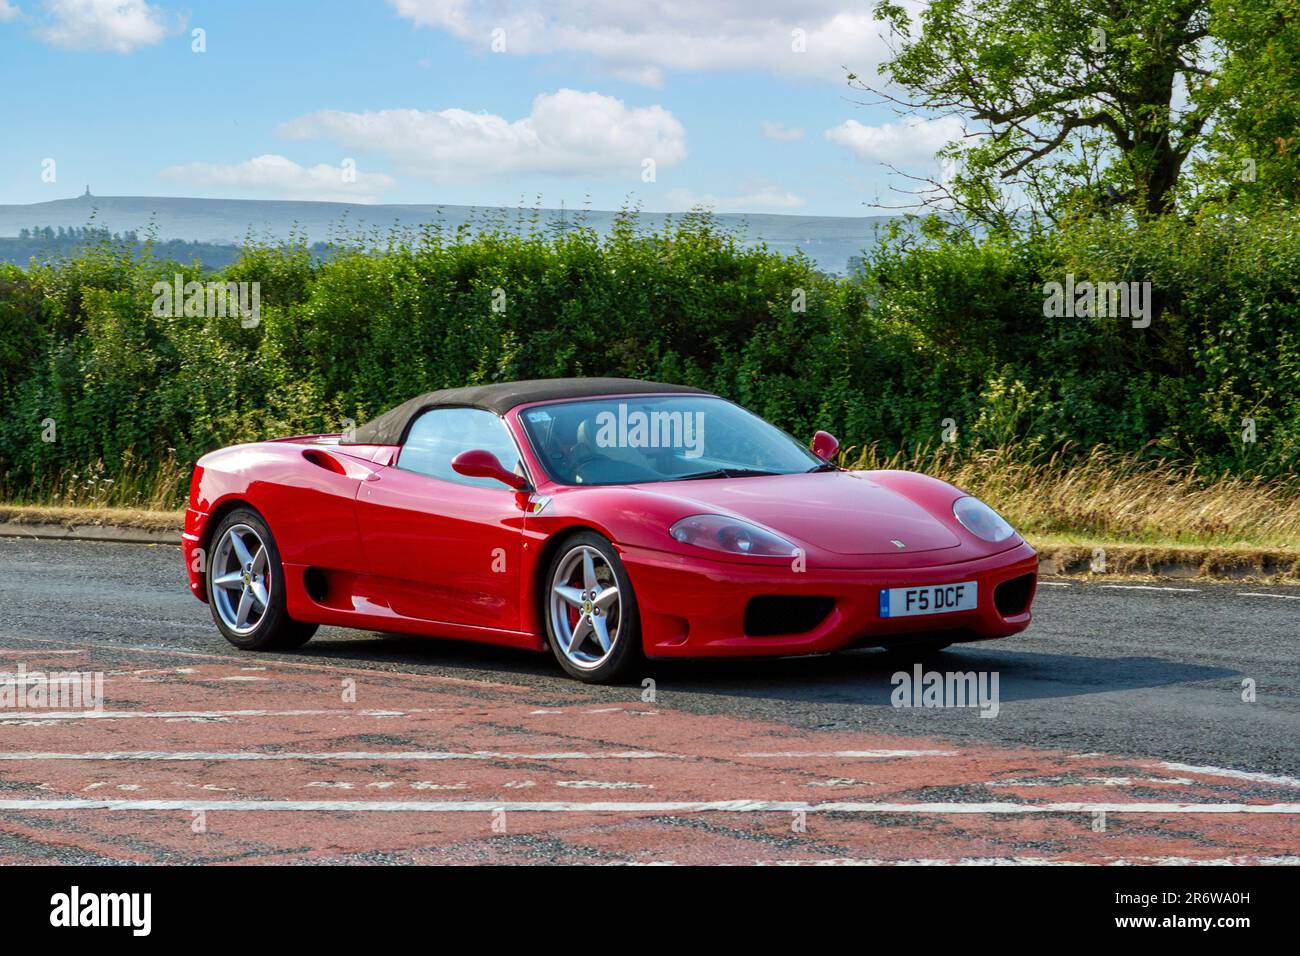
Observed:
{"x":8,"y":11}
{"x":642,"y":75}
{"x":282,"y":178}
{"x":780,"y":132}
{"x":911,"y":141}
{"x":567,"y":133}
{"x":755,"y":195}
{"x":637,"y":41}
{"x":119,"y":26}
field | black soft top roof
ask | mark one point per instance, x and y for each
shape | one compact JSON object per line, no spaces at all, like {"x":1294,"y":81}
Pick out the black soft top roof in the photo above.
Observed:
{"x":390,"y":427}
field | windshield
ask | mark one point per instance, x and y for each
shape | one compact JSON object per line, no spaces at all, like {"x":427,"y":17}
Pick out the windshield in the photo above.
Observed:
{"x":616,"y":441}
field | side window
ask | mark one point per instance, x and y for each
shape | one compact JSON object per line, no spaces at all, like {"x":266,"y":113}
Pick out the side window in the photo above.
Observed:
{"x":440,"y":434}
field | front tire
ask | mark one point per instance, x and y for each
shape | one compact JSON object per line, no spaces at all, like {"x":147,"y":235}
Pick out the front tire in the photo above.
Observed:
{"x":245,"y":583}
{"x":592,"y":622}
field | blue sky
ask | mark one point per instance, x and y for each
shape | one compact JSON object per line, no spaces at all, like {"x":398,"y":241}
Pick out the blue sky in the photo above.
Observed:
{"x":736,"y":104}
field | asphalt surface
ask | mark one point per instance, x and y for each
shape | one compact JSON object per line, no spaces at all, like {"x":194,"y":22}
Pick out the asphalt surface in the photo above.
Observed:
{"x":1141,"y":686}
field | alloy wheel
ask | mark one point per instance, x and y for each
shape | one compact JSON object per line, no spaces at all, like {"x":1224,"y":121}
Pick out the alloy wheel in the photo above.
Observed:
{"x":585,"y":607}
{"x":241,"y":588}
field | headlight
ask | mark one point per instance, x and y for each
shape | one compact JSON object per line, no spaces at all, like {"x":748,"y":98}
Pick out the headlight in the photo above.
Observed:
{"x":730,"y":535}
{"x":981,"y":520}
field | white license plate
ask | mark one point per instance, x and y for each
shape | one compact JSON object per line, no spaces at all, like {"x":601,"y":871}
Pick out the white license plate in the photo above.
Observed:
{"x":932,"y":599}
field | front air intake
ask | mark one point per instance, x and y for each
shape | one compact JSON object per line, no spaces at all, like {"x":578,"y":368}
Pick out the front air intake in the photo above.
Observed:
{"x":769,"y":615}
{"x":1012,"y":597}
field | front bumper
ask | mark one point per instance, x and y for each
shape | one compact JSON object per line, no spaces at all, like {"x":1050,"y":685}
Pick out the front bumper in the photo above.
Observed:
{"x":195,"y":559}
{"x":692,"y":607}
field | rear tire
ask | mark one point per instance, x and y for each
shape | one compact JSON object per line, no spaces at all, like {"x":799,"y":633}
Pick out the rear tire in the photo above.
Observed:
{"x":245,"y":585}
{"x":592,"y":622}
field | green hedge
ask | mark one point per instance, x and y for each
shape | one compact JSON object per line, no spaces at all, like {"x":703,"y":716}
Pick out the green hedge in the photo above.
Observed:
{"x":942,"y":325}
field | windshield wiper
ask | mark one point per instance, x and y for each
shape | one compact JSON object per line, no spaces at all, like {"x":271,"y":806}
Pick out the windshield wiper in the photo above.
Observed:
{"x":824,"y":466}
{"x":725,"y":473}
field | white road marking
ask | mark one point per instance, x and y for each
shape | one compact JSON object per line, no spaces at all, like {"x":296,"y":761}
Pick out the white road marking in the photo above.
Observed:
{"x":840,"y":782}
{"x":1055,"y":584}
{"x":1284,"y":597}
{"x":202,"y":714}
{"x":395,"y":755}
{"x":1147,"y":587}
{"x":1090,"y":781}
{"x":604,"y":785}
{"x":331,"y":669}
{"x":38,"y":677}
{"x":683,"y":806}
{"x":1250,"y":775}
{"x":863,"y":754}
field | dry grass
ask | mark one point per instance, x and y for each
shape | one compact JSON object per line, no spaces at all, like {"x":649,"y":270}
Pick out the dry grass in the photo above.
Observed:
{"x":131,"y":484}
{"x":136,"y":518}
{"x":1159,"y":562}
{"x":1102,"y":497}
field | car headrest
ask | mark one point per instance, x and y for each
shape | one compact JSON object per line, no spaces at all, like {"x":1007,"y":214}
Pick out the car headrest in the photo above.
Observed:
{"x":589,"y":431}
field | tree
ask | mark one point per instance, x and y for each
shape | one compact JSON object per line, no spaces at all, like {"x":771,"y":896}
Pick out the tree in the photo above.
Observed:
{"x":1254,"y":145}
{"x":1099,"y":102}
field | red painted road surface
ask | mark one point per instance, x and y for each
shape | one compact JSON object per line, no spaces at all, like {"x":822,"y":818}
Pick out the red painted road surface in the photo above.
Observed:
{"x":205,"y":758}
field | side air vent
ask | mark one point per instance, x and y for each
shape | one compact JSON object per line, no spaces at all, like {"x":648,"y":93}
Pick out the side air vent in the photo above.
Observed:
{"x":324,"y":460}
{"x":314,"y":581}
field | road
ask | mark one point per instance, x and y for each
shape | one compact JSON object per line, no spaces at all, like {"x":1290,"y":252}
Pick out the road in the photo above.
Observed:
{"x":1121,"y":735}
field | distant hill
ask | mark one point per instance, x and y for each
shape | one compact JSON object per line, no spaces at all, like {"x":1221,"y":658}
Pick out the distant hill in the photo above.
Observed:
{"x":830,"y":241}
{"x":50,"y":243}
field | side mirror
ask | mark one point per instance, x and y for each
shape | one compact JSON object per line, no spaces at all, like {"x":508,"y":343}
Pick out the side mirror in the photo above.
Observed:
{"x":825,"y":445}
{"x":478,"y":463}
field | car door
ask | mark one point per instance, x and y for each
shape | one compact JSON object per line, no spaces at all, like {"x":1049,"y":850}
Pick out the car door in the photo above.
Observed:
{"x":445,"y":546}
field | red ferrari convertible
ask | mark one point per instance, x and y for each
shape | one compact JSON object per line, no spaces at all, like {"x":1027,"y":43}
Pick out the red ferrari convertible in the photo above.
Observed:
{"x":608,"y":519}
